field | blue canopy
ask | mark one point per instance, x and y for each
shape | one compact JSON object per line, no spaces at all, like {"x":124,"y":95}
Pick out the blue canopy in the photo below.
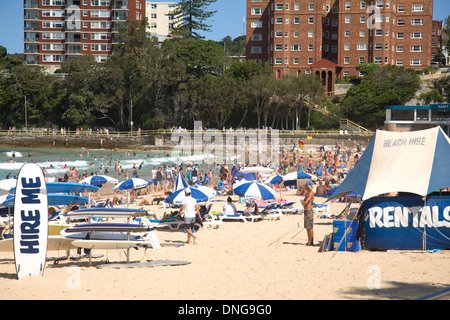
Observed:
{"x":55,"y":200}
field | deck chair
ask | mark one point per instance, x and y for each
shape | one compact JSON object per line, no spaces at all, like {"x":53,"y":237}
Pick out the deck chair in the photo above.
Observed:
{"x":173,"y":222}
{"x":210,"y":220}
{"x":240,"y":216}
{"x":288,"y":208}
{"x":269,"y":213}
{"x":320,"y":208}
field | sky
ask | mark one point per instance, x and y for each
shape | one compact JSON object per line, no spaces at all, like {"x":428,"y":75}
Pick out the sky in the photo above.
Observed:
{"x":228,"y":21}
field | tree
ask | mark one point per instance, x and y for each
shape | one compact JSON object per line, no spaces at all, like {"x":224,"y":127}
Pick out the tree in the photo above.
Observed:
{"x":193,"y":14}
{"x":390,"y":85}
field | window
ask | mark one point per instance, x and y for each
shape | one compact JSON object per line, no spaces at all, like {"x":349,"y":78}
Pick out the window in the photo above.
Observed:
{"x":380,"y":4}
{"x":256,"y":50}
{"x":400,"y":48}
{"x":378,"y":60}
{"x":416,"y":48}
{"x":278,"y":60}
{"x":362,"y":19}
{"x":346,"y":47}
{"x":256,"y":11}
{"x":347,"y":19}
{"x":296,"y":47}
{"x":279,"y":6}
{"x":417,"y":8}
{"x":310,"y":34}
{"x":296,"y":34}
{"x":278,"y":34}
{"x":362,"y":33}
{"x":296,"y":20}
{"x":416,"y":35}
{"x":416,"y":62}
{"x":297,"y":6}
{"x":347,"y":33}
{"x":311,"y":6}
{"x":278,"y":47}
{"x":401,"y":22}
{"x":401,"y":8}
{"x":256,"y":24}
{"x":278,"y":20}
{"x":363,"y":5}
{"x":361,"y":46}
{"x":334,"y":23}
{"x":399,"y":62}
{"x":361,"y":59}
{"x":400,"y":35}
{"x":378,"y":32}
{"x":310,"y":47}
{"x":296,"y":60}
{"x":346,"y":60}
{"x":348,"y":5}
{"x":416,"y":22}
{"x":310,"y":60}
{"x":256,"y":37}
{"x":311,"y":20}
{"x":378,"y":46}
{"x":346,"y":73}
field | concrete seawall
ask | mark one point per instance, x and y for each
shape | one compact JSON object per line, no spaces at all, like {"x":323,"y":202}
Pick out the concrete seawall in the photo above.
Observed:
{"x":157,"y":141}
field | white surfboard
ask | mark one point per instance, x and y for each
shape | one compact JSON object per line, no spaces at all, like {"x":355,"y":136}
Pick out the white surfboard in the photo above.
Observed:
{"x":30,"y":221}
{"x":109,"y":244}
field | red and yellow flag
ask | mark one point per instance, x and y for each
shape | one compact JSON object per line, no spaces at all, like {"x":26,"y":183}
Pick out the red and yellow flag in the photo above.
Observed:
{"x":309,"y":136}
{"x":301,"y":144}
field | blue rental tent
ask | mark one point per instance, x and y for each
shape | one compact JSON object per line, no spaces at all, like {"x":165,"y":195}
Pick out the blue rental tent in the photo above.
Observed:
{"x":414,"y":164}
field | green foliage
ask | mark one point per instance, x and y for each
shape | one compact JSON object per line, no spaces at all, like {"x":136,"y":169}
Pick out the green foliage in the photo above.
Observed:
{"x":194,"y":15}
{"x":390,"y":85}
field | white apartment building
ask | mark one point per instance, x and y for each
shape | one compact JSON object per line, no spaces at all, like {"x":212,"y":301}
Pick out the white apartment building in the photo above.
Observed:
{"x":159,"y":19}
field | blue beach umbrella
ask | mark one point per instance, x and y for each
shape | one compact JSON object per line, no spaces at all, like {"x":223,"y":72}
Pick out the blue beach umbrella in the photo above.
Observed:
{"x":66,"y":187}
{"x":98,"y":180}
{"x":180,"y":183}
{"x":274,"y":180}
{"x":255,"y":190}
{"x":55,"y":200}
{"x":198,"y":194}
{"x":133,"y":183}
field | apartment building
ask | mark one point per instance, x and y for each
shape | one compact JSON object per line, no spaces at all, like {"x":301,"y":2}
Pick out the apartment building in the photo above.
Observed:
{"x":317,"y":36}
{"x":159,"y":17}
{"x":56,"y":30}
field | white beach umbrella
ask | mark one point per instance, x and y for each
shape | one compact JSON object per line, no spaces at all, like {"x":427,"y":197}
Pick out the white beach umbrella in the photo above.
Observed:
{"x":8,"y":184}
{"x":255,"y":190}
{"x":133,"y":183}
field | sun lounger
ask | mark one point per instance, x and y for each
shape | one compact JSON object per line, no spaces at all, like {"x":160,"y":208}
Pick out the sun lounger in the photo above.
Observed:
{"x":288,"y":208}
{"x":320,"y":208}
{"x":210,"y":220}
{"x":269,"y":213}
{"x":240,"y":216}
{"x":173,"y":222}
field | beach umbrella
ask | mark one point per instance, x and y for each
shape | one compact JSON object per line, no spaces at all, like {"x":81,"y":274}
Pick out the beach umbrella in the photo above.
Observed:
{"x":8,"y":184}
{"x":98,"y":180}
{"x":55,"y":200}
{"x":257,"y":169}
{"x":178,"y":196}
{"x":133,"y":183}
{"x":278,"y":179}
{"x":180,"y":183}
{"x":299,"y":175}
{"x":66,"y":187}
{"x":206,"y":190}
{"x":254,"y":190}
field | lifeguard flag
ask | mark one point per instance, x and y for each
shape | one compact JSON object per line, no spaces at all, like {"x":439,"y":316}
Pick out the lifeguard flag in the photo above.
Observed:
{"x":309,"y":136}
{"x":301,"y":145}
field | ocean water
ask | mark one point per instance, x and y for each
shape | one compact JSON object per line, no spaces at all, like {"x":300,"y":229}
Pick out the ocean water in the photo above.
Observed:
{"x":58,"y":161}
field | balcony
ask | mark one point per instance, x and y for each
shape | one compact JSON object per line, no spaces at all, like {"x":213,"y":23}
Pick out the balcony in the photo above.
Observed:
{"x":32,"y":59}
{"x":31,"y":4}
{"x":30,"y":37}
{"x":120,"y":5}
{"x":31,"y":26}
{"x":31,"y":48}
{"x":73,"y":49}
{"x":31,"y":15}
{"x":122,"y":16}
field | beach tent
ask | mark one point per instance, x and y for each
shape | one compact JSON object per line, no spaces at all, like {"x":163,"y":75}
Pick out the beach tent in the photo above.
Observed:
{"x":415,"y":162}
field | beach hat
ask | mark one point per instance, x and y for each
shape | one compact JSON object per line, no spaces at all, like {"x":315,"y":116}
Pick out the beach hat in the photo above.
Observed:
{"x":308,"y":183}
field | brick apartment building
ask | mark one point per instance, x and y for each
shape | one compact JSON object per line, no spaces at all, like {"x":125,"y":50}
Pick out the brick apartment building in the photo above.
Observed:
{"x":56,"y":30}
{"x":330,"y":38}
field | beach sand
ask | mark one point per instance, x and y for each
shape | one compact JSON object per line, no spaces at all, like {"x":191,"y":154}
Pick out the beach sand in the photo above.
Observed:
{"x":238,"y":261}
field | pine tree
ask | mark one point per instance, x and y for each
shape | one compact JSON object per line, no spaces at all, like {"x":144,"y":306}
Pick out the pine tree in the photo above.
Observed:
{"x":193,"y":15}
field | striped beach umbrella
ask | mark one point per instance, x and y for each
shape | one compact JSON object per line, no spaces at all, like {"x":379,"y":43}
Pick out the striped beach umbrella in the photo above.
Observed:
{"x":178,"y":196}
{"x":254,"y":190}
{"x":180,"y":183}
{"x":98,"y":180}
{"x":133,"y":183}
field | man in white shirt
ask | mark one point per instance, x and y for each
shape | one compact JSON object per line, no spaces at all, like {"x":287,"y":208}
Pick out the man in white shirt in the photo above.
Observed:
{"x":229,"y":208}
{"x":190,"y":208}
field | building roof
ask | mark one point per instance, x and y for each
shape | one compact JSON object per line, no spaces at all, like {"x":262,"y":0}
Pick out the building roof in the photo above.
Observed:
{"x":324,"y":63}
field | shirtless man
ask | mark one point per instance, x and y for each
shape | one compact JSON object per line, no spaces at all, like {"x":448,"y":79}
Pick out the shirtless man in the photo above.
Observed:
{"x":308,"y":213}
